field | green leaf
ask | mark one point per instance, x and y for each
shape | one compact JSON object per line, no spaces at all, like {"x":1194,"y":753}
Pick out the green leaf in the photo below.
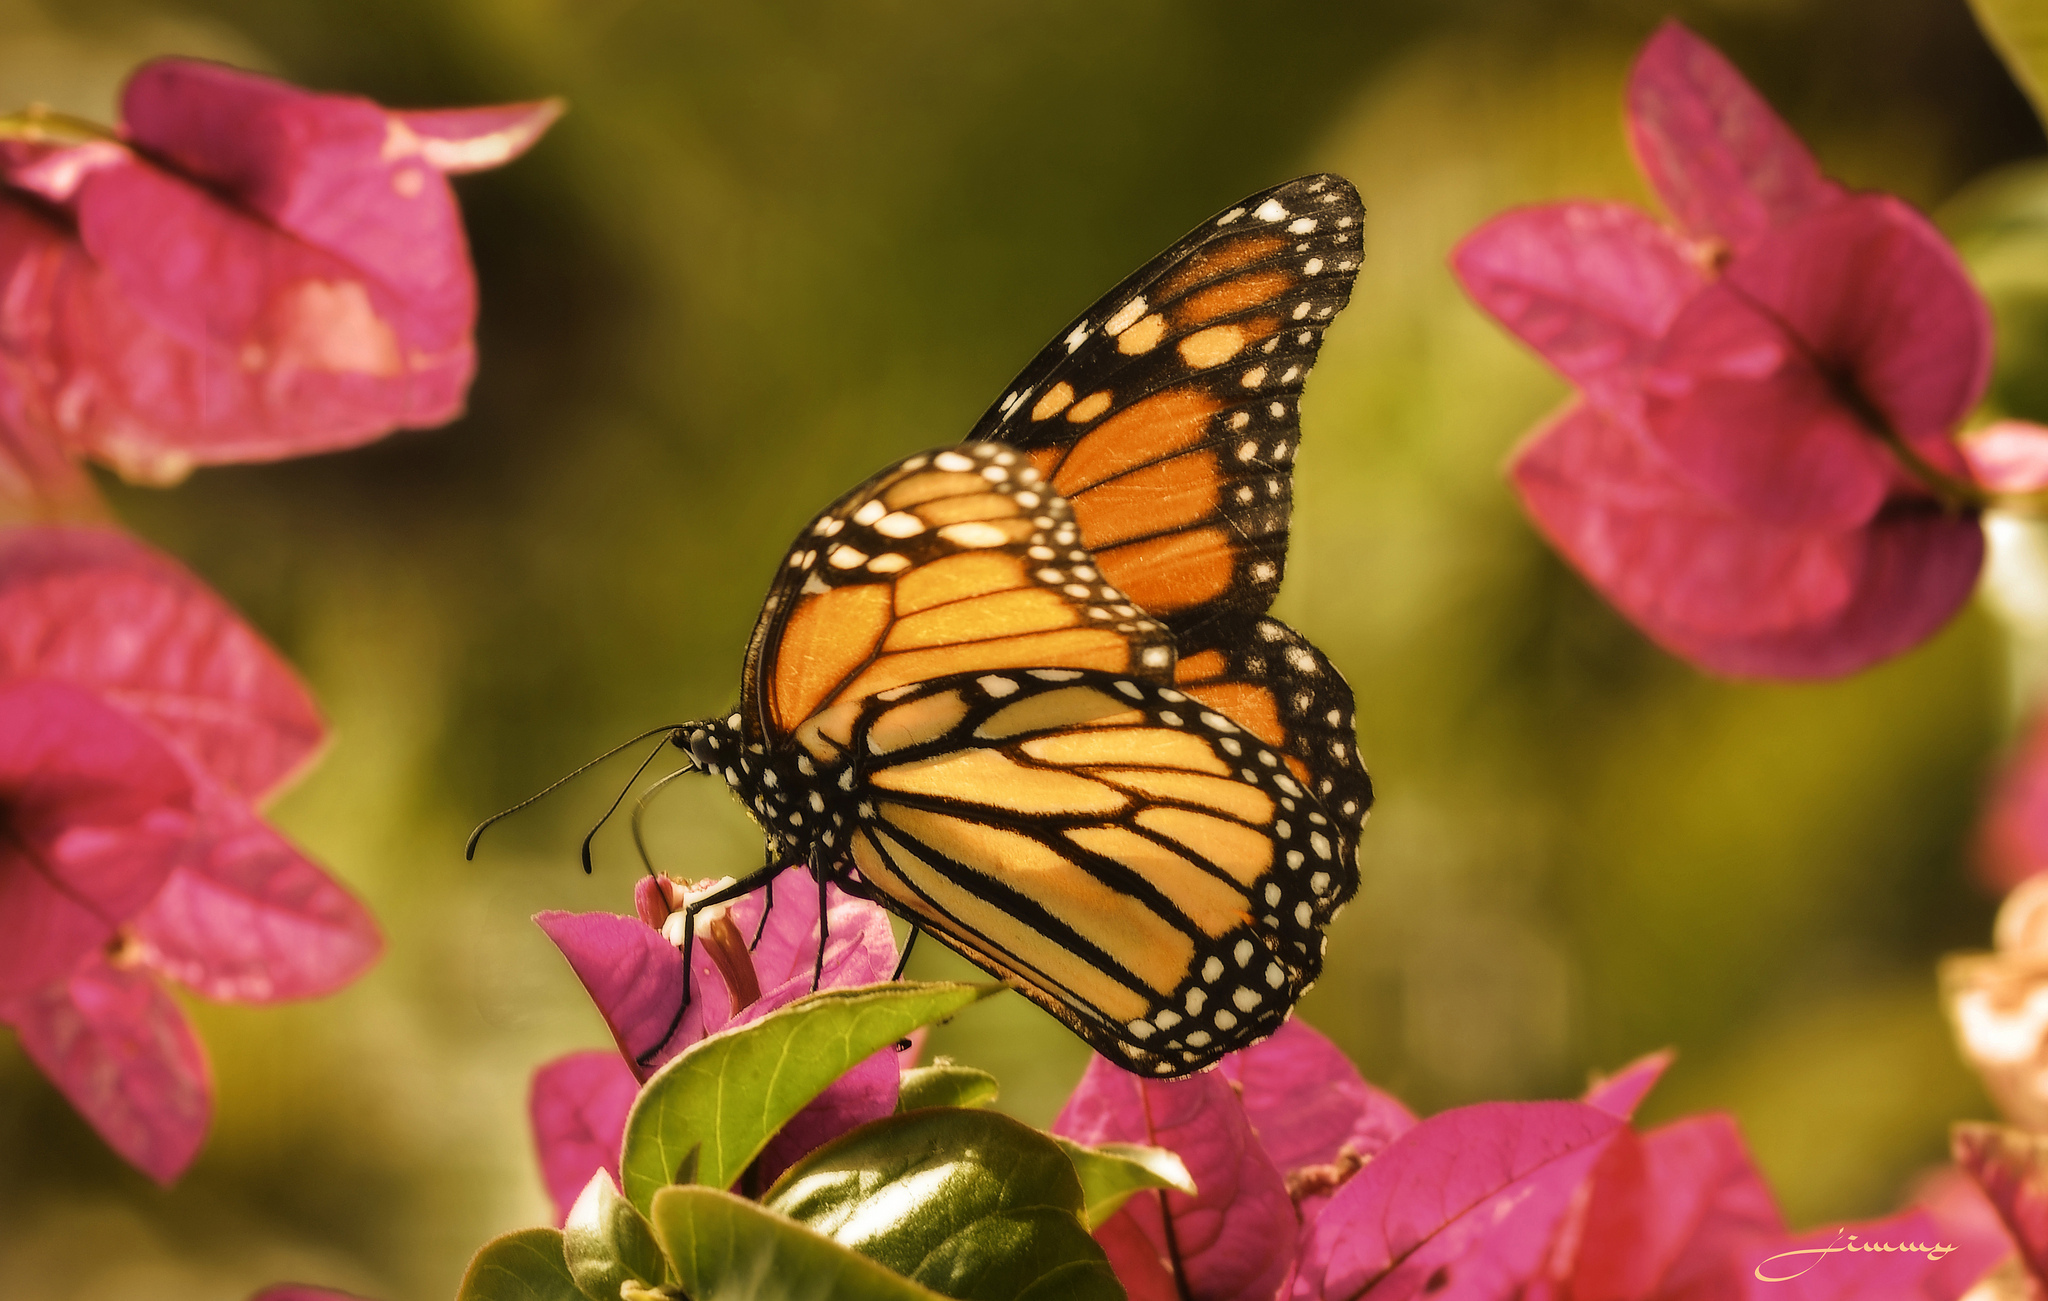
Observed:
{"x":608,"y":1244}
{"x":1111,"y":1172}
{"x":945,"y":1085}
{"x":725,"y":1248}
{"x":971,"y":1204}
{"x":727,"y":1095}
{"x":523,"y":1266}
{"x":2019,"y":32}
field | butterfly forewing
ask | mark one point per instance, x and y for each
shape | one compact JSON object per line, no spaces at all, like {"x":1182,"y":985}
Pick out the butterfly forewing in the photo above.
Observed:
{"x":1136,"y":862}
{"x":1169,"y":413}
{"x":946,"y":561}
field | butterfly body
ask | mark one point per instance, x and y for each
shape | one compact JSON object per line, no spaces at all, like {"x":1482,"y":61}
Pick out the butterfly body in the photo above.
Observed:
{"x":1024,"y":691}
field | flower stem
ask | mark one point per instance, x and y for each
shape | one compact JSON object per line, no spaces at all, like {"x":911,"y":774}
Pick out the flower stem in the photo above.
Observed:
{"x":40,"y":124}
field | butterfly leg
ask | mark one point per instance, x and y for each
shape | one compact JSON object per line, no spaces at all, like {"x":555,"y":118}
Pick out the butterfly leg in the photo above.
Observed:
{"x":818,"y":871}
{"x":744,"y":886}
{"x":767,"y":906}
{"x":904,"y":961}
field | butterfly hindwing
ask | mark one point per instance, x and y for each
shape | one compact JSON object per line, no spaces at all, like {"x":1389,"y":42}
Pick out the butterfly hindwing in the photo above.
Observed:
{"x":1270,"y":680}
{"x":1131,"y":859}
{"x":1169,"y":413}
{"x":946,"y":561}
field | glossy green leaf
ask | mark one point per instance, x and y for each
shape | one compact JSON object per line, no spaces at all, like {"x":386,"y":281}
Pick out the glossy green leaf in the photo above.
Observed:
{"x":2019,"y":32}
{"x":1111,"y":1172}
{"x":726,"y":1248}
{"x":608,"y":1243}
{"x":727,"y":1095}
{"x":971,"y":1204}
{"x":945,"y":1085}
{"x":523,"y":1266}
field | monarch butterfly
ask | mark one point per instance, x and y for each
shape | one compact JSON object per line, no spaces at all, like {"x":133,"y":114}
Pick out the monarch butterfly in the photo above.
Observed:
{"x":1024,"y":691}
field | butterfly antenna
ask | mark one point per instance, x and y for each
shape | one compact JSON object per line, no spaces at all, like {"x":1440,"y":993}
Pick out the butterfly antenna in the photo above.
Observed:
{"x":620,"y":798}
{"x":640,"y":813}
{"x":469,"y":849}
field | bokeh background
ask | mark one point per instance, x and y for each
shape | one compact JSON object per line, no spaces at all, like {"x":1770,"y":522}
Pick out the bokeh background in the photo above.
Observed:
{"x":774,"y":246}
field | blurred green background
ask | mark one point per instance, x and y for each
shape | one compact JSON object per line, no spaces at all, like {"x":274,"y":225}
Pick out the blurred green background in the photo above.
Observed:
{"x":774,"y":246}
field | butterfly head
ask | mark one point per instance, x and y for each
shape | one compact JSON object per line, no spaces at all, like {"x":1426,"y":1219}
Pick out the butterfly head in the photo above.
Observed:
{"x":713,"y":744}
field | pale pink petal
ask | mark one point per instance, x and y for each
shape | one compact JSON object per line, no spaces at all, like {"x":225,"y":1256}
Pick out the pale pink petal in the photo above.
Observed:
{"x":1622,"y":1092}
{"x":1720,"y":158}
{"x":1667,"y":1212}
{"x":1590,"y":286}
{"x":1462,"y":1206}
{"x":1308,"y":1103}
{"x":1235,"y":1237}
{"x":252,"y":920}
{"x":474,"y":139}
{"x":1864,"y":1275}
{"x":100,"y":609}
{"x":636,"y":979}
{"x":1880,"y":302}
{"x":578,"y":1106}
{"x":1744,"y":414}
{"x":2011,"y":1166}
{"x":2009,"y":456}
{"x":95,"y":815}
{"x":120,"y":1050}
{"x":302,"y":1292}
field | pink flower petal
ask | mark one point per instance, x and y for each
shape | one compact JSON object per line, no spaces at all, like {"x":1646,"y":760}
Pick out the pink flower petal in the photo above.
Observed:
{"x":269,"y":273}
{"x":2011,"y":1166}
{"x":95,"y":814}
{"x":1235,"y":1237}
{"x":1860,"y":1269}
{"x":1919,"y":567}
{"x":99,"y":609}
{"x":1622,"y":1092}
{"x":1135,"y":1260}
{"x":860,"y":949}
{"x":116,"y":1045}
{"x":2009,"y":456}
{"x":1719,"y":157}
{"x":1589,"y":286}
{"x":1966,"y":1215}
{"x":636,"y":979}
{"x":1308,"y":1103}
{"x":252,"y":920}
{"x":1462,"y":1206}
{"x":1879,"y":300}
{"x":1729,"y":594}
{"x":578,"y":1105}
{"x":302,"y":1292}
{"x":1745,"y":415}
{"x":2012,"y":839}
{"x":1666,"y":1212}
{"x":475,"y":139}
